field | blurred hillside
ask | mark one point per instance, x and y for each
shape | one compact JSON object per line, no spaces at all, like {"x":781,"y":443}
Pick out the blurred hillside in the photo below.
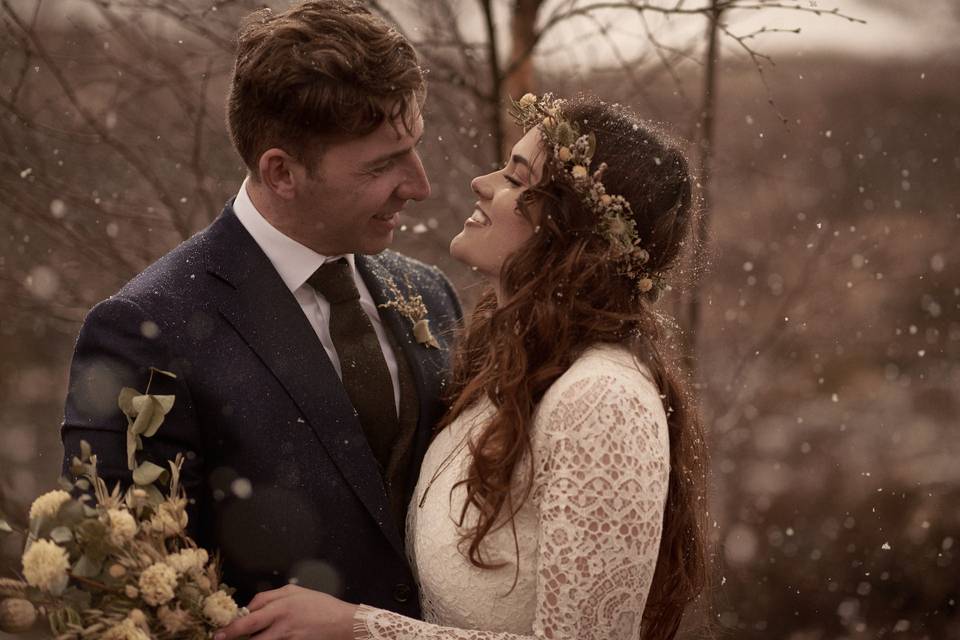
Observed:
{"x":829,"y":359}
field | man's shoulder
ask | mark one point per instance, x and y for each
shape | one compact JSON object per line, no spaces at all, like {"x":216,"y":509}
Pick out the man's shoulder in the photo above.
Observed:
{"x":428,"y":280}
{"x":172,"y":273}
{"x":404,"y":267}
{"x":398,"y":263}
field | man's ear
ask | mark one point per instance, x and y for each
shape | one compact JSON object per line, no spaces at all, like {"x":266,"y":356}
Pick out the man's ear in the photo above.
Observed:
{"x":280,"y":173}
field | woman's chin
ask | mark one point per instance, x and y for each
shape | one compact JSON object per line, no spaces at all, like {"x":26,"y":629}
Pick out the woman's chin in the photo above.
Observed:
{"x":458,"y":250}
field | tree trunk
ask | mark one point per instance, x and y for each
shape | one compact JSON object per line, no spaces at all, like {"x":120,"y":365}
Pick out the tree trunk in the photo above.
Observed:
{"x":518,"y":77}
{"x":496,"y":84}
{"x":706,"y":150}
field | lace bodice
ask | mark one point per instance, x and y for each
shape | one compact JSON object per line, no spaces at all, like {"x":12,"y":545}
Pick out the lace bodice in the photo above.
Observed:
{"x":586,"y":538}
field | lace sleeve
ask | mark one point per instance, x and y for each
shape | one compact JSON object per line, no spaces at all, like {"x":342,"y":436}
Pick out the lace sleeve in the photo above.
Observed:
{"x":602,"y":469}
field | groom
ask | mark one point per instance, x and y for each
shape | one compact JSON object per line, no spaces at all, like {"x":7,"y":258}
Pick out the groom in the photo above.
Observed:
{"x":304,"y":397}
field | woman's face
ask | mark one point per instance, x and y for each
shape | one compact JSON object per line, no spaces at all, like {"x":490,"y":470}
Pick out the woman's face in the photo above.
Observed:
{"x":497,"y":228}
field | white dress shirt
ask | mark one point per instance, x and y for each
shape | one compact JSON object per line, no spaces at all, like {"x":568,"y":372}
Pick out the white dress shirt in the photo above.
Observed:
{"x":296,"y":263}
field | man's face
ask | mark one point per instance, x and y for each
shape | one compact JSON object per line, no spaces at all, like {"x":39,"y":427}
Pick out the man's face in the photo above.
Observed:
{"x":351,"y":203}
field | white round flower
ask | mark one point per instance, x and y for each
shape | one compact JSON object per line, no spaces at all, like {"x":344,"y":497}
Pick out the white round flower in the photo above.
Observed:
{"x":45,"y":566}
{"x":527,"y":100}
{"x":220,"y":609}
{"x":579,"y":171}
{"x":122,"y":526}
{"x":126,"y":630}
{"x":48,"y":504}
{"x":157,"y":584}
{"x":188,"y":560}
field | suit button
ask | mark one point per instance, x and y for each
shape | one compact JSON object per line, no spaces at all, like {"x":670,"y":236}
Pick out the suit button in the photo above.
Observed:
{"x":401,"y":592}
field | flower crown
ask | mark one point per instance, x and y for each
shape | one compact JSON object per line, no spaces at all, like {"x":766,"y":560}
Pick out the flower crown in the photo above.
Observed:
{"x":572,"y":154}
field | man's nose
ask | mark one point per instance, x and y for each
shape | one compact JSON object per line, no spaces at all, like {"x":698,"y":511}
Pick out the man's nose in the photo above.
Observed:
{"x":416,"y":186}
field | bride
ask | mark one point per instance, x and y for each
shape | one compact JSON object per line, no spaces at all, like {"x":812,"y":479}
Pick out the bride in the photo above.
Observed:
{"x":563,"y":495}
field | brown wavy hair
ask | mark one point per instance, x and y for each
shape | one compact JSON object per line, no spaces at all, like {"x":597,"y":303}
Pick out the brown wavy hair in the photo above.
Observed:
{"x":317,"y":72}
{"x":560,"y":297}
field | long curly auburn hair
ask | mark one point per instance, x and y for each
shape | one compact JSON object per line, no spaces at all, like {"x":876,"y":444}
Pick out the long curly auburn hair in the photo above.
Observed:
{"x":560,"y":297}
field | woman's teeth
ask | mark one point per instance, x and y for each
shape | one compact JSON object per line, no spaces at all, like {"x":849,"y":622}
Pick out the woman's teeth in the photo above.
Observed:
{"x":480,"y":217}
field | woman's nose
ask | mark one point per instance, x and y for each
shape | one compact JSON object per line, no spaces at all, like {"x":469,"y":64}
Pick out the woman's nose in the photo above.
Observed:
{"x":480,"y":186}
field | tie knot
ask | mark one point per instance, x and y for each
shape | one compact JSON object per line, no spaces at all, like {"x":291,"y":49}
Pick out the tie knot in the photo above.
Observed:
{"x":334,"y":281}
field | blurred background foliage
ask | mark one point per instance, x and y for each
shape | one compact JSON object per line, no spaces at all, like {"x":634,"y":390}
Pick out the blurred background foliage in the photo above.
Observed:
{"x":825,"y":329}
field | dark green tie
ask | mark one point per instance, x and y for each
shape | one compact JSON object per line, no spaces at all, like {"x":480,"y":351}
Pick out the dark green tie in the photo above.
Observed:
{"x":363,"y":368}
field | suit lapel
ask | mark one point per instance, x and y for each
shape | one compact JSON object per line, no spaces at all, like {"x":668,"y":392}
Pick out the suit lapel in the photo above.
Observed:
{"x":266,"y":315}
{"x":428,"y":364}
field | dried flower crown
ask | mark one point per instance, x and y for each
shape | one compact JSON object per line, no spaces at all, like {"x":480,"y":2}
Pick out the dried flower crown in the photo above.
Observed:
{"x":572,"y":155}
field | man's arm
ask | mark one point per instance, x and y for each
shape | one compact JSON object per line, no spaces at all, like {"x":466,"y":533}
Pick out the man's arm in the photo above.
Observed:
{"x":117,"y":345}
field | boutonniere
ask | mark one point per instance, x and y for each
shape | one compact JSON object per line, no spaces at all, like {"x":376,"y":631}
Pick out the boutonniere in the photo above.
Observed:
{"x":413,"y":309}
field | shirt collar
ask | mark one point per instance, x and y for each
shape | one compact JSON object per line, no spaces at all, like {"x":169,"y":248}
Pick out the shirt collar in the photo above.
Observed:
{"x":293,"y":261}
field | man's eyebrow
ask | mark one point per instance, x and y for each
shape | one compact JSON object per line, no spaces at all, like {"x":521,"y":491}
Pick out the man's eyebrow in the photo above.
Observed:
{"x":390,"y":156}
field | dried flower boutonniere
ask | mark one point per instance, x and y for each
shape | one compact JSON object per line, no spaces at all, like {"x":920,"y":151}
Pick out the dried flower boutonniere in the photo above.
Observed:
{"x":414,"y":310}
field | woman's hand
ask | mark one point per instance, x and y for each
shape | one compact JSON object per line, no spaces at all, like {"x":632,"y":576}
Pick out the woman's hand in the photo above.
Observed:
{"x":293,"y":613}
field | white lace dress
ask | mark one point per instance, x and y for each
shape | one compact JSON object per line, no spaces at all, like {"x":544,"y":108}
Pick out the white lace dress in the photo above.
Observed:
{"x":588,"y":535}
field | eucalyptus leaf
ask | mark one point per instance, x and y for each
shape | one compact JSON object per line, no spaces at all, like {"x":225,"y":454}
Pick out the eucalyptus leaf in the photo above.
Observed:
{"x":131,"y":449}
{"x":5,"y":526}
{"x":61,"y":535}
{"x":77,"y":598}
{"x":151,"y":410}
{"x":154,"y":497}
{"x":71,"y":513}
{"x":87,"y":566}
{"x":148,"y":473}
{"x":39,"y":525}
{"x":145,"y":408}
{"x":85,"y":450}
{"x":83,"y":484}
{"x":125,"y":401}
{"x":164,"y":404}
{"x":169,"y":374}
{"x":58,"y":586}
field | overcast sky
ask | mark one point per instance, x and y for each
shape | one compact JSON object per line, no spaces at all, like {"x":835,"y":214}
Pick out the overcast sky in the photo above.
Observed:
{"x":894,"y":28}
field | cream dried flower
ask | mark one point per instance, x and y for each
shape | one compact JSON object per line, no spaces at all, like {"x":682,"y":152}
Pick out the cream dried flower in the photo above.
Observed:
{"x":527,"y":100}
{"x":131,"y":591}
{"x":157,"y":583}
{"x":188,"y":560}
{"x":204,"y":582}
{"x":564,"y":154}
{"x":139,"y":618}
{"x":48,"y":504}
{"x":579,"y":171}
{"x":169,"y":520}
{"x":45,"y":566}
{"x":122,"y":526}
{"x":174,"y":620}
{"x":126,"y":630}
{"x":220,"y":609}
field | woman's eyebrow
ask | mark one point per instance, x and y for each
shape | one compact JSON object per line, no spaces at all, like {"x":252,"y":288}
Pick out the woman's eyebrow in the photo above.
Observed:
{"x":518,"y":159}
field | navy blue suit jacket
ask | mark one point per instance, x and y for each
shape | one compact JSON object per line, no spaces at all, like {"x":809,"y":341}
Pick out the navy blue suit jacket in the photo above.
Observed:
{"x":281,"y":478}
